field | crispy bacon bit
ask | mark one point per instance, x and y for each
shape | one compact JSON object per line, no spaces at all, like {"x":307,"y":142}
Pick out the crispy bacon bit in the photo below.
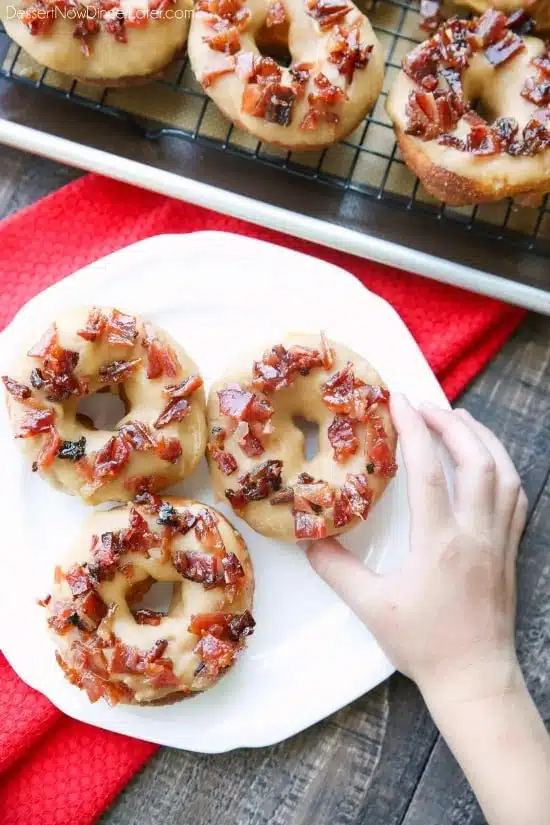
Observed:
{"x":352,"y":499}
{"x":18,"y":391}
{"x":377,"y":448}
{"x":158,"y":670}
{"x":79,"y":580}
{"x":72,"y":450}
{"x":37,"y":379}
{"x":279,"y":366}
{"x":225,"y":66}
{"x":115,"y":24}
{"x":284,"y":496}
{"x":346,"y":51}
{"x":276,"y":14}
{"x":300,"y":73}
{"x":538,"y":92}
{"x":137,"y":435}
{"x":542,"y":62}
{"x":144,"y":496}
{"x":161,"y":358}
{"x":226,"y":41}
{"x":45,"y":601}
{"x":536,"y":137}
{"x":506,"y":131}
{"x":105,"y":551}
{"x":236,"y":402}
{"x":313,"y":117}
{"x":309,"y":526}
{"x":482,"y":140}
{"x":45,"y":344}
{"x":216,"y":654}
{"x":232,"y":569}
{"x":342,"y":438}
{"x":344,"y":394}
{"x":35,"y":422}
{"x":187,"y":387}
{"x":279,"y":104}
{"x":138,"y":537}
{"x":432,"y":114}
{"x":196,"y":567}
{"x":95,"y":326}
{"x":145,"y":616}
{"x":39,"y":17}
{"x":328,"y":12}
{"x":251,"y":445}
{"x":499,"y":53}
{"x":521,"y":22}
{"x":328,"y":93}
{"x":236,"y":626}
{"x":226,"y":462}
{"x":431,"y":15}
{"x":169,"y":449}
{"x":121,"y":329}
{"x":313,"y":497}
{"x":176,"y":410}
{"x":110,"y":460}
{"x":48,"y":451}
{"x":117,"y":371}
{"x":84,"y":612}
{"x":421,"y":65}
{"x":168,"y":515}
{"x":491,"y":27}
{"x":257,"y":484}
{"x":207,"y":533}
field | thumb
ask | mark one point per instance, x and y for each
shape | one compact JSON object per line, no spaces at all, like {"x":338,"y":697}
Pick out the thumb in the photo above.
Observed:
{"x":357,"y":586}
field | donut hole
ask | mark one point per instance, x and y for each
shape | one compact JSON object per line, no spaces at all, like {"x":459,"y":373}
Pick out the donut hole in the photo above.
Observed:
{"x":273,"y":42}
{"x":152,"y":595}
{"x":310,"y":431}
{"x":103,"y":409}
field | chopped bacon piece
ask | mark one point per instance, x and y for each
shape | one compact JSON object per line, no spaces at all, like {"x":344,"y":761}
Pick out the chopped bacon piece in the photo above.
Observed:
{"x":506,"y":131}
{"x":137,"y":435}
{"x":115,"y":24}
{"x":312,"y":496}
{"x":377,"y":449}
{"x":117,"y":371}
{"x":176,"y":410}
{"x":280,"y":366}
{"x":235,"y":401}
{"x":105,"y":551}
{"x":342,"y":438}
{"x":216,"y":654}
{"x":110,"y":460}
{"x":168,"y":515}
{"x":352,"y":499}
{"x":169,"y":449}
{"x":328,"y":12}
{"x":542,"y":62}
{"x":121,"y":329}
{"x":207,"y":533}
{"x":145,"y":616}
{"x":95,"y":326}
{"x":72,"y":450}
{"x":284,"y":496}
{"x":161,"y":358}
{"x":313,"y":117}
{"x":535,"y":137}
{"x":502,"y":51}
{"x":45,"y":344}
{"x":222,"y":67}
{"x":421,"y":65}
{"x":39,"y":17}
{"x":226,"y":41}
{"x":431,"y":15}
{"x":482,"y":140}
{"x":432,"y":114}
{"x":226,"y":462}
{"x":232,"y":569}
{"x":79,"y":580}
{"x":257,"y":484}
{"x":250,"y":445}
{"x":491,"y":27}
{"x":143,"y":489}
{"x":309,"y":526}
{"x":538,"y":92}
{"x":521,"y":22}
{"x":18,"y":391}
{"x":187,"y":387}
{"x":197,"y":567}
{"x":138,"y":537}
{"x":45,"y":601}
{"x":48,"y":451}
{"x":346,"y":51}
{"x":37,"y":379}
{"x":300,"y":73}
{"x":235,"y":625}
{"x":265,"y":71}
{"x":276,"y":14}
{"x":279,"y":104}
{"x":35,"y":422}
{"x":328,"y":93}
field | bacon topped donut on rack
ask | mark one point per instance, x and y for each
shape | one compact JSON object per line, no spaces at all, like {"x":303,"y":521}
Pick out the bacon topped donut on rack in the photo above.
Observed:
{"x":112,"y":648}
{"x":256,"y":451}
{"x":111,"y":42}
{"x":161,"y":435}
{"x":459,"y":156}
{"x":333,"y":80}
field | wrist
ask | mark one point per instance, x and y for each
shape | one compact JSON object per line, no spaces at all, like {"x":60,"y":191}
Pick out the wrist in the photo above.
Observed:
{"x":481,"y":679}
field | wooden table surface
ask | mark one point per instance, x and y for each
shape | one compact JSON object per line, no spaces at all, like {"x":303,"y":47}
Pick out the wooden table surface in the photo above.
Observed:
{"x":319,"y":777}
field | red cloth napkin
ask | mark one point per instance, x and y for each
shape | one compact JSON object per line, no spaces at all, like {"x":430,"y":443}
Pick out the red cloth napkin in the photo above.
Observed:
{"x":53,"y":770}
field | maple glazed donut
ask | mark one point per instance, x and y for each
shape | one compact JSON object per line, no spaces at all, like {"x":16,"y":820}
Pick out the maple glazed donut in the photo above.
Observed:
{"x":334,"y":78}
{"x":256,"y":451}
{"x":113,"y":649}
{"x":111,"y":42}
{"x":161,"y":437}
{"x":460,"y":157}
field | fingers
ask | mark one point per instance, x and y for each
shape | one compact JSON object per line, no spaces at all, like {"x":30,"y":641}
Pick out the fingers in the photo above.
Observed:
{"x":475,"y":473}
{"x":426,"y":484}
{"x":508,"y":480}
{"x":356,"y":585}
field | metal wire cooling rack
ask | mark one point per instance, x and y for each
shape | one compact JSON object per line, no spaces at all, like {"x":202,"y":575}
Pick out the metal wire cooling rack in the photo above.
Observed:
{"x":367,"y":162}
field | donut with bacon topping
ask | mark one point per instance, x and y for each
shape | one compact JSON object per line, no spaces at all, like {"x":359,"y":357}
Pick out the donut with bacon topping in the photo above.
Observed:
{"x":256,"y":450}
{"x":334,"y":77}
{"x":111,"y":42}
{"x":113,"y":647}
{"x":460,"y":157}
{"x":90,"y":351}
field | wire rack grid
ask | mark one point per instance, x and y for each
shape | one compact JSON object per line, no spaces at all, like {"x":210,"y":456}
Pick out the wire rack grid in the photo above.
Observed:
{"x":368,"y":161}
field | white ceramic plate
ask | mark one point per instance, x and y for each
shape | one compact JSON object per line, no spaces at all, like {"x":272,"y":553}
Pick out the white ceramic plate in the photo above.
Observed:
{"x":217,"y":294}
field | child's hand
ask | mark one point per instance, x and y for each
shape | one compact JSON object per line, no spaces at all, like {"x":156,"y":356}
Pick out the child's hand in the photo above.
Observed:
{"x":446,"y":619}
